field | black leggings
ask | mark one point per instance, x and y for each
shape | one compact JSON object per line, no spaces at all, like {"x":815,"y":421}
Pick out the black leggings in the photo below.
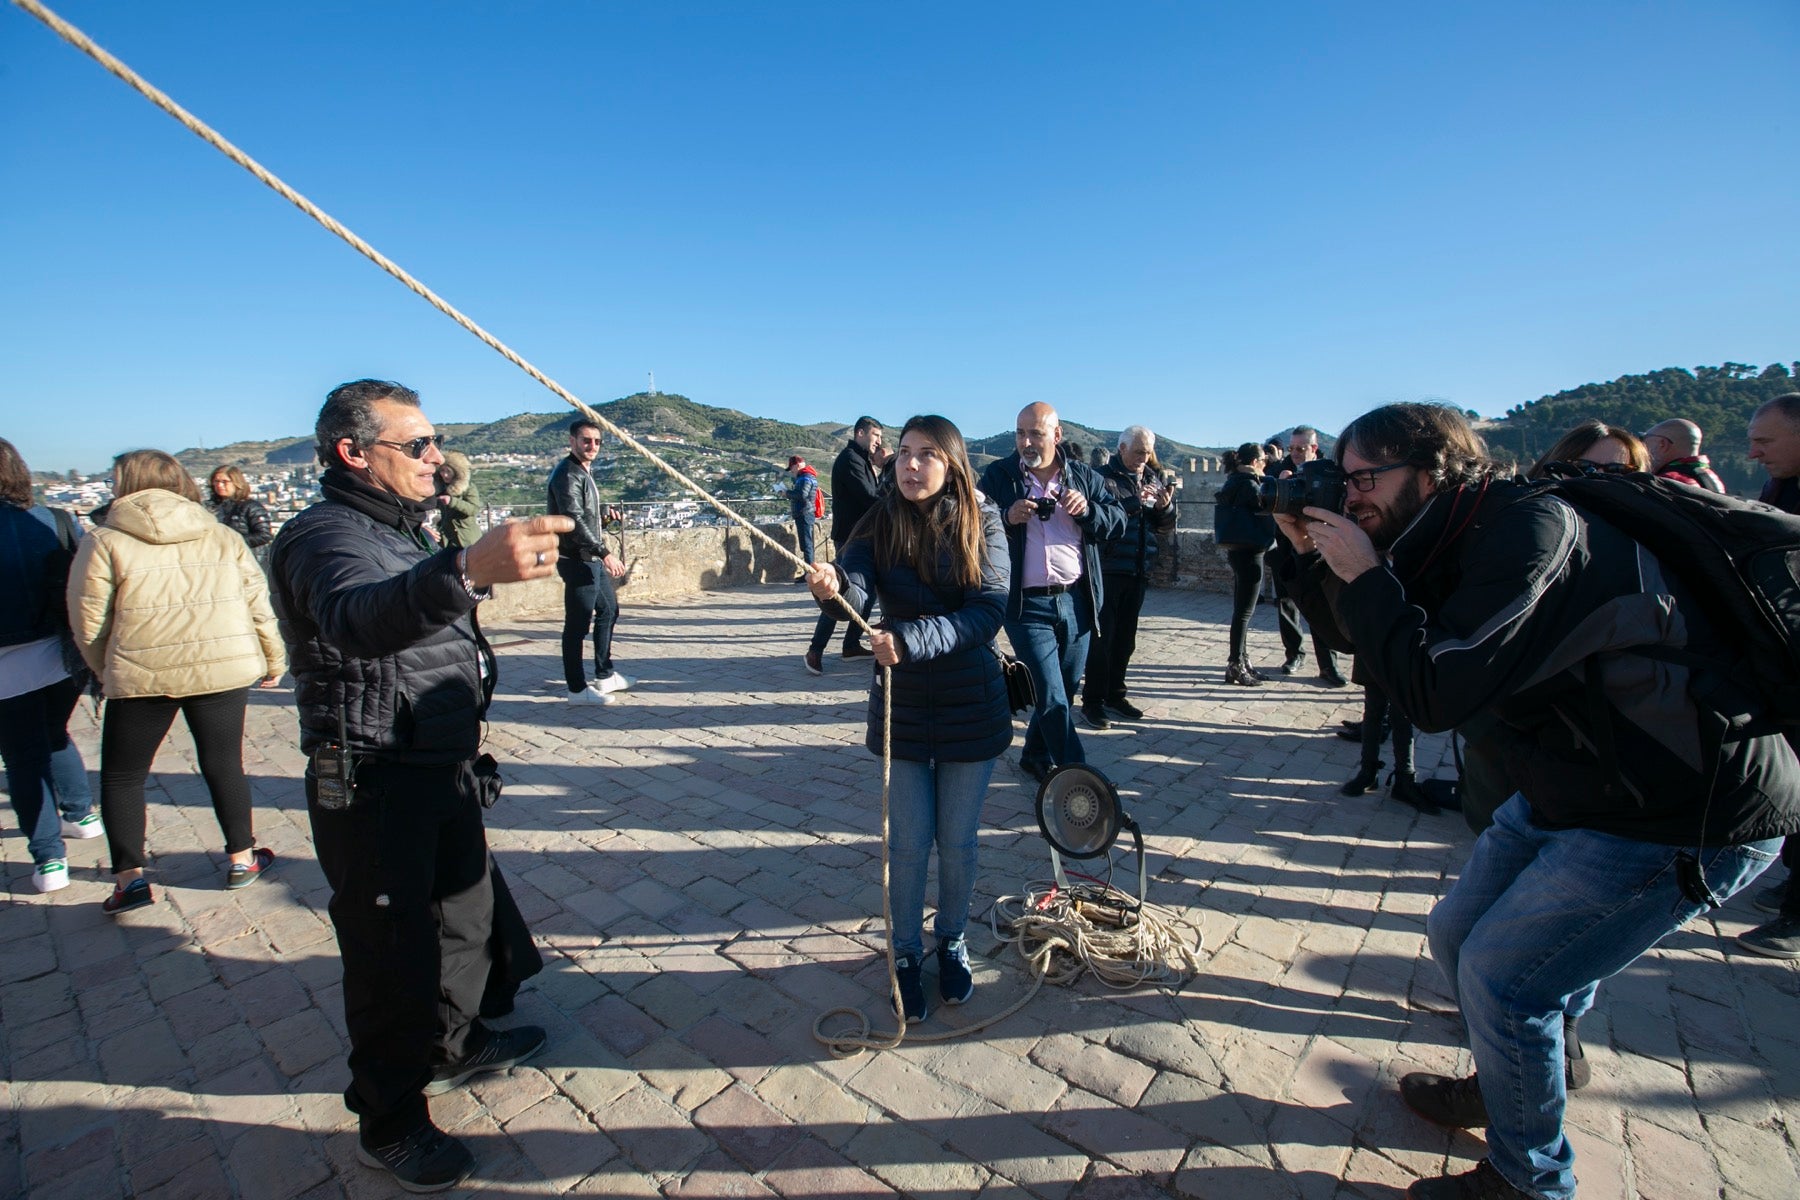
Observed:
{"x":1379,"y":710}
{"x":1246,"y":570}
{"x":129,"y":736}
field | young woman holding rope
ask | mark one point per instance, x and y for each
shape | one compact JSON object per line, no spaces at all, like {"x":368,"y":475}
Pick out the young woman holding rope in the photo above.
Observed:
{"x":934,"y":551}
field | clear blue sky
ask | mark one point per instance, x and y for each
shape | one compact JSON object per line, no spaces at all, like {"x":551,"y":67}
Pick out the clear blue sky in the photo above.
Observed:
{"x":1216,"y":219}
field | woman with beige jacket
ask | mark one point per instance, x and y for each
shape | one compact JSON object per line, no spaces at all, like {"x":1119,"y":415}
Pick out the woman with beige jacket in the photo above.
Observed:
{"x":172,"y":612}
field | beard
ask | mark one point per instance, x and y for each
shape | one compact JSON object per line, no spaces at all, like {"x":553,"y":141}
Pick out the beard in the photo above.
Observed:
{"x":1392,"y":519}
{"x":1034,"y":459}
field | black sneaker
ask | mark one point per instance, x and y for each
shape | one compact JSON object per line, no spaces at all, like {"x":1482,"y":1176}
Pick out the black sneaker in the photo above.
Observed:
{"x":857,"y":650}
{"x":1483,"y":1183}
{"x":425,"y":1160}
{"x":1095,"y":716}
{"x":1404,"y":787}
{"x":1126,"y":709}
{"x":956,"y":983}
{"x":912,"y":989}
{"x":814,"y":664}
{"x":1333,"y":679}
{"x":1442,"y":1100}
{"x":1293,"y":663}
{"x":1779,"y":938}
{"x":498,"y":1050}
{"x":127,"y":898}
{"x":1037,"y":770}
{"x":1769,"y":899}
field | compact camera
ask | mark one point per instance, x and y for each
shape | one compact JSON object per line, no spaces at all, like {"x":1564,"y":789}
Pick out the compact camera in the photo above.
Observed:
{"x":1317,"y":484}
{"x":1045,"y":506}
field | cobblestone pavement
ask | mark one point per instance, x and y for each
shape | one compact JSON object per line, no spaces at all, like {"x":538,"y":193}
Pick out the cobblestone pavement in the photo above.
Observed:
{"x":701,"y":864}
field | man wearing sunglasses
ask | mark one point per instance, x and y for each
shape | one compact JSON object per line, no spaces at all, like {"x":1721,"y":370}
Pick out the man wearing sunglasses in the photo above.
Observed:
{"x":587,"y":569}
{"x":392,"y":680}
{"x":1468,"y":594}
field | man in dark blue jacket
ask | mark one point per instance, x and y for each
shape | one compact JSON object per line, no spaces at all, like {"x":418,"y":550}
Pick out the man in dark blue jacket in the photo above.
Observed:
{"x":1058,"y":513}
{"x":392,"y":678}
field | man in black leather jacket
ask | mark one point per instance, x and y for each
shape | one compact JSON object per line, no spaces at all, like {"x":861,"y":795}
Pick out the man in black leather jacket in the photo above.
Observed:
{"x":855,"y":476}
{"x":587,"y":569}
{"x":1468,"y":594}
{"x":392,"y":673}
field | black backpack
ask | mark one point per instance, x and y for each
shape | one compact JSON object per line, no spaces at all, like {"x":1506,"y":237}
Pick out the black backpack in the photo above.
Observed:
{"x":1739,"y":558}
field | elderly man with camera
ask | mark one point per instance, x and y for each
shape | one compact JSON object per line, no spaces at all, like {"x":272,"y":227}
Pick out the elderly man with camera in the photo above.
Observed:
{"x":1646,"y":790}
{"x":392,"y":679}
{"x":1058,"y":514}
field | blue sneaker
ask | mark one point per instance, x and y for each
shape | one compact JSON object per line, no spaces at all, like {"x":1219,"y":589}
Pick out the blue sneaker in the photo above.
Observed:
{"x":912,"y":988}
{"x":956,"y":983}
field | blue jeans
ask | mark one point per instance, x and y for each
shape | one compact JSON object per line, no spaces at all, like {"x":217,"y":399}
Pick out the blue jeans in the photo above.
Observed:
{"x":44,"y":772}
{"x":1538,"y":918}
{"x":1050,"y":636}
{"x":803,"y":535}
{"x":588,"y":596}
{"x":927,"y":803}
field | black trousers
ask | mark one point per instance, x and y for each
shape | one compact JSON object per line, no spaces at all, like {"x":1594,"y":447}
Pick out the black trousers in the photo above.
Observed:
{"x":1115,"y":638}
{"x":412,"y":902}
{"x":1287,"y":613}
{"x":588,"y":596}
{"x":827,"y":623}
{"x":1377,"y":710}
{"x":1246,"y":574}
{"x":130,"y":733}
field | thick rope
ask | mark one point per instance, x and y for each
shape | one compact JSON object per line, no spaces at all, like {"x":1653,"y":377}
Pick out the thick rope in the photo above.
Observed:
{"x":211,"y":137}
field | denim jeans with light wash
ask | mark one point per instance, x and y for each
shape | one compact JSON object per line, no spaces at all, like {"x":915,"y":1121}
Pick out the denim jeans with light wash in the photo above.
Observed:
{"x":933,"y":803}
{"x":1050,"y":637}
{"x":1538,"y":918}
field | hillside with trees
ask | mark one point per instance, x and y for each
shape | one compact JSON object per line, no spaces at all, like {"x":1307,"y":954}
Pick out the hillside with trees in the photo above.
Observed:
{"x":1718,"y":399}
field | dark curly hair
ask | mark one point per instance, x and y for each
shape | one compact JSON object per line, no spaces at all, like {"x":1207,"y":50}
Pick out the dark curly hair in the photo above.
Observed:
{"x":1435,"y":437}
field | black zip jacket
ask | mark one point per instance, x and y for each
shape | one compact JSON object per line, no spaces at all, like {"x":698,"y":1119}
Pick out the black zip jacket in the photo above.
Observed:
{"x":1134,"y":549}
{"x":854,"y":486}
{"x":573,"y":494}
{"x":376,"y":618}
{"x":1505,"y":602}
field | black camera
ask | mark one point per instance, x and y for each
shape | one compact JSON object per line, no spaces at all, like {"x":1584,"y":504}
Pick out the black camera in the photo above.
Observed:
{"x":1317,"y":484}
{"x":1046,"y":507}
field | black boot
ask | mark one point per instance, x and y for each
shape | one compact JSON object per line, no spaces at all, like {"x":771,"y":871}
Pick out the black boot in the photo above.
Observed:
{"x":1577,"y":1071}
{"x":1404,"y":787}
{"x":1363,"y":780}
{"x":1240,"y":673}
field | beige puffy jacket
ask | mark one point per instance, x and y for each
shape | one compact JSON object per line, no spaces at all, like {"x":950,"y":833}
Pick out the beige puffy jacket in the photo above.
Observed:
{"x":165,"y":601}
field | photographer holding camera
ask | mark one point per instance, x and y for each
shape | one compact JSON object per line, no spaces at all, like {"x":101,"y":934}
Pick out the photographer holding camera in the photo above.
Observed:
{"x":1058,"y":513}
{"x":1646,"y":795}
{"x":392,"y":678}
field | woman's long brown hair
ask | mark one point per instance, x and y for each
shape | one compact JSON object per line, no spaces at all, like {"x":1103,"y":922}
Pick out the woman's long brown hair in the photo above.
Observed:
{"x":901,"y":533}
{"x":142,"y":470}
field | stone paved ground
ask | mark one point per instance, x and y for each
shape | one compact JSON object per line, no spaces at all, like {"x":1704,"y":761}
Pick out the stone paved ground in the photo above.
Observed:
{"x":701,"y":864}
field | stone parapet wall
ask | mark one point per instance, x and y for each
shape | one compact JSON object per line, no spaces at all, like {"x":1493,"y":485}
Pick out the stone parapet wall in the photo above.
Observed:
{"x":681,"y":562}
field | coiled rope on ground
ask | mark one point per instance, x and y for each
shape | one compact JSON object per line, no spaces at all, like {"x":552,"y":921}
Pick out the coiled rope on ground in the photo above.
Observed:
{"x":1089,"y":946}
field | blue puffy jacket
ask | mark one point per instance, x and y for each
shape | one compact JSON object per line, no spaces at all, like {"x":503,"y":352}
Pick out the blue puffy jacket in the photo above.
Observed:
{"x":949,"y":693}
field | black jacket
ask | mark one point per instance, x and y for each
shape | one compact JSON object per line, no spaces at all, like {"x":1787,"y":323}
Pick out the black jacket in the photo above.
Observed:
{"x":248,"y":517}
{"x":574,"y":494}
{"x":949,"y":695}
{"x":376,"y":619}
{"x":1134,"y":549}
{"x":1507,"y":604}
{"x":853,"y":490}
{"x":1004,"y":482}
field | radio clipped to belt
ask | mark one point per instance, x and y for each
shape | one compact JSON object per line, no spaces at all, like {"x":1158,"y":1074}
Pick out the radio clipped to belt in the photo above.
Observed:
{"x":334,"y":770}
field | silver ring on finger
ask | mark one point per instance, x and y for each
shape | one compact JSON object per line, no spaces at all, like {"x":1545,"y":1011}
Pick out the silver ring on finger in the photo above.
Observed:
{"x":540,"y":558}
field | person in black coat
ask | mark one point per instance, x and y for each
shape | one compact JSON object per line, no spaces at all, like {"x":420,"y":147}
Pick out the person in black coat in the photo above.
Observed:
{"x":1244,"y":533}
{"x":855,"y":484}
{"x":392,"y":675}
{"x":935,"y":553}
{"x":232,"y":504}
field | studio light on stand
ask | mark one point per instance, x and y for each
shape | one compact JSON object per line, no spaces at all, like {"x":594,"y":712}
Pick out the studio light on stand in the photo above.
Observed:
{"x":1079,"y":814}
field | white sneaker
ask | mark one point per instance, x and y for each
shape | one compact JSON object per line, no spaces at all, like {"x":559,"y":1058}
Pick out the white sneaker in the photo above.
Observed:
{"x":589,"y":695}
{"x":52,"y":875}
{"x":618,"y":681}
{"x":83,"y":828}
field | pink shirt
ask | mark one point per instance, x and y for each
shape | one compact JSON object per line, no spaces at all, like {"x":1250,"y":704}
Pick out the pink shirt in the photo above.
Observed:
{"x":1053,"y":547}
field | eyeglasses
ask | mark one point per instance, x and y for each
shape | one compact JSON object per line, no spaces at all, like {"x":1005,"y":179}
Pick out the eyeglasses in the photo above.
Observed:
{"x":1364,"y":480}
{"x":417,"y":447}
{"x":1591,"y":467}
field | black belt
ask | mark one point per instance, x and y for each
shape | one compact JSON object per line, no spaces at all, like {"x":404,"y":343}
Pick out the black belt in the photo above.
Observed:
{"x":1055,"y":589}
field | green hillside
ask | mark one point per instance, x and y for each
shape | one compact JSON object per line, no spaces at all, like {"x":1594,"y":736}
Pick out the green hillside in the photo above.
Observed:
{"x":1719,"y":400}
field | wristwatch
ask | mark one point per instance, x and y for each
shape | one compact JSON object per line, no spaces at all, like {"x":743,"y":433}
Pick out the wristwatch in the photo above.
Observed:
{"x":462,"y":577}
